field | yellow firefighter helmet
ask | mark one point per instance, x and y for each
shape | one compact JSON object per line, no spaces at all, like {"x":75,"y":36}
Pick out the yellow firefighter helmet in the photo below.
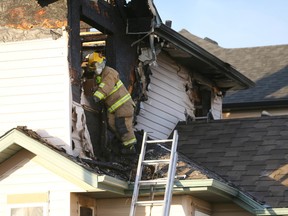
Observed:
{"x":94,"y":58}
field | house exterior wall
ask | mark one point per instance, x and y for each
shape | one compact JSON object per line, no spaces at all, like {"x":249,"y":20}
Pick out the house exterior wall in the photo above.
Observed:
{"x":167,"y":99}
{"x":22,"y":177}
{"x":181,"y":205}
{"x":35,"y":88}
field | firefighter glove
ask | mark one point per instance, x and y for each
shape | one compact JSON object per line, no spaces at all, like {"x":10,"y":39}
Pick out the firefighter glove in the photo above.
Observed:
{"x":96,"y":99}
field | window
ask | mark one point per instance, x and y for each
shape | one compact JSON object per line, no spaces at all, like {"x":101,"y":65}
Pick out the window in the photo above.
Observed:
{"x":85,"y":211}
{"x":27,"y":210}
{"x":27,"y":204}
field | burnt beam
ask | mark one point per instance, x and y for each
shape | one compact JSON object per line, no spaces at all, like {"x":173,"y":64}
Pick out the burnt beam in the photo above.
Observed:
{"x":93,"y":37}
{"x":98,"y":14}
{"x":74,"y":54}
{"x":121,"y":55}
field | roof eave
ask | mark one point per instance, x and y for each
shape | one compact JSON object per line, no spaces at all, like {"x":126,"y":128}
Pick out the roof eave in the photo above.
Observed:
{"x":237,"y":196}
{"x":165,"y":32}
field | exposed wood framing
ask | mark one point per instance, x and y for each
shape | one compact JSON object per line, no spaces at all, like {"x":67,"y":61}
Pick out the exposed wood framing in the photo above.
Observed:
{"x":74,"y":47}
{"x":98,"y":14}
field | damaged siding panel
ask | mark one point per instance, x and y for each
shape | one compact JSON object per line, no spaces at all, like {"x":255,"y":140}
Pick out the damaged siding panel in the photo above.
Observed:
{"x":35,"y":87}
{"x":167,"y":100}
{"x":155,"y":122}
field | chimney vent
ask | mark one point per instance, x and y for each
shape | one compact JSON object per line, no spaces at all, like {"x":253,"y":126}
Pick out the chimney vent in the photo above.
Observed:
{"x":168,"y":23}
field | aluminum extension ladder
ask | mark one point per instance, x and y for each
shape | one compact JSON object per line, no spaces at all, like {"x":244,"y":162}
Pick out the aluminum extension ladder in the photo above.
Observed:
{"x":169,"y":182}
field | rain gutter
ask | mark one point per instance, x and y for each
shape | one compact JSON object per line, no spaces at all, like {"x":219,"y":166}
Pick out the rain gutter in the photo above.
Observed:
{"x":212,"y":186}
{"x":111,"y":184}
{"x":225,"y":190}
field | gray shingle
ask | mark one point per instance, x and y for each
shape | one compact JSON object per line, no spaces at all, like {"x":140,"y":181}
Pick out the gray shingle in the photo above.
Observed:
{"x":253,"y":158}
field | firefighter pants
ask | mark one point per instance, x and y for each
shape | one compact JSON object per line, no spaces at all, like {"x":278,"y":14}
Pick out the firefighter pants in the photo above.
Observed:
{"x":121,"y":122}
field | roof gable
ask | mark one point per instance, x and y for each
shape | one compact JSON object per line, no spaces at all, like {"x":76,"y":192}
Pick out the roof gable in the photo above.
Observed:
{"x":59,"y":163}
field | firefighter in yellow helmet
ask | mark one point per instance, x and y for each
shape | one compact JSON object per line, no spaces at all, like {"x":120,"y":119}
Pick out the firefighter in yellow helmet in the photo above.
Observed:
{"x":118,"y":101}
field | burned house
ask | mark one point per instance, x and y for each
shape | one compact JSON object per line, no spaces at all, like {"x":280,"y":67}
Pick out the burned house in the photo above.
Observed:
{"x":63,"y":163}
{"x":169,"y":77}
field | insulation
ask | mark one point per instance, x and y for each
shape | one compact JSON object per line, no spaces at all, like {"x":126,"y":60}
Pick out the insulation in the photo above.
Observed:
{"x":82,"y":146}
{"x":26,"y":19}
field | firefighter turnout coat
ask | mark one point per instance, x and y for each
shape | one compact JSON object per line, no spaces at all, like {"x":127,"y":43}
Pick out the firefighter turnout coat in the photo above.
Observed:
{"x":119,"y":104}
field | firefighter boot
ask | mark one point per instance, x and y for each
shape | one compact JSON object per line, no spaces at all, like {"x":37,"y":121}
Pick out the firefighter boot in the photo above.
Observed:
{"x":129,"y":150}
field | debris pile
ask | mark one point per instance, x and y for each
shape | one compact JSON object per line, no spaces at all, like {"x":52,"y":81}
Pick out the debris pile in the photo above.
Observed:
{"x":125,"y":167}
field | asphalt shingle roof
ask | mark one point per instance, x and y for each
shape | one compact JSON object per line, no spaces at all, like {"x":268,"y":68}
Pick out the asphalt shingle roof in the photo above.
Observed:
{"x":267,"y":66}
{"x":250,"y":153}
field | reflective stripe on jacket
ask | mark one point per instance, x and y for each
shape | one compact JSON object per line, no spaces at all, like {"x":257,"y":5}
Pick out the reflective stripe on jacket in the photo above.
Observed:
{"x":112,"y":90}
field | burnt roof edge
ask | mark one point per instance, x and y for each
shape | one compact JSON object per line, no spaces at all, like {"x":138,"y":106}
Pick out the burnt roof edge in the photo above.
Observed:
{"x":193,"y":49}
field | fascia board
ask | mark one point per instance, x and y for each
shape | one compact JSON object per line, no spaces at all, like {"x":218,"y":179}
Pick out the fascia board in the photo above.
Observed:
{"x":272,"y":211}
{"x":77,"y":176}
{"x":237,"y":196}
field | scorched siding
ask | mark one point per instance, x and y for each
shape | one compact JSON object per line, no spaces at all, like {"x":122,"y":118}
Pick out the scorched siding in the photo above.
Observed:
{"x":167,"y":100}
{"x":35,"y":87}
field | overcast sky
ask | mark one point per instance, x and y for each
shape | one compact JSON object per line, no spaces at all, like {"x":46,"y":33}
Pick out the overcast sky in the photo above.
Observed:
{"x":232,"y":23}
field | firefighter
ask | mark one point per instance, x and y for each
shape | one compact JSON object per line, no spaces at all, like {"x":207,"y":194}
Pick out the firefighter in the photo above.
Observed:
{"x":118,"y":101}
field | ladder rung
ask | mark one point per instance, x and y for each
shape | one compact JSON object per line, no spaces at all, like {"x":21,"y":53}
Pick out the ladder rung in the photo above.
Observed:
{"x":152,"y":202}
{"x":153,"y":182}
{"x":151,"y":162}
{"x":159,"y":141}
{"x":167,"y":183}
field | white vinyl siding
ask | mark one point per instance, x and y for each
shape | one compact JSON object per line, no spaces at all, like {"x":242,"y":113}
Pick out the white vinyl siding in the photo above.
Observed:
{"x":35,"y":88}
{"x":167,"y":100}
{"x":31,"y":178}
